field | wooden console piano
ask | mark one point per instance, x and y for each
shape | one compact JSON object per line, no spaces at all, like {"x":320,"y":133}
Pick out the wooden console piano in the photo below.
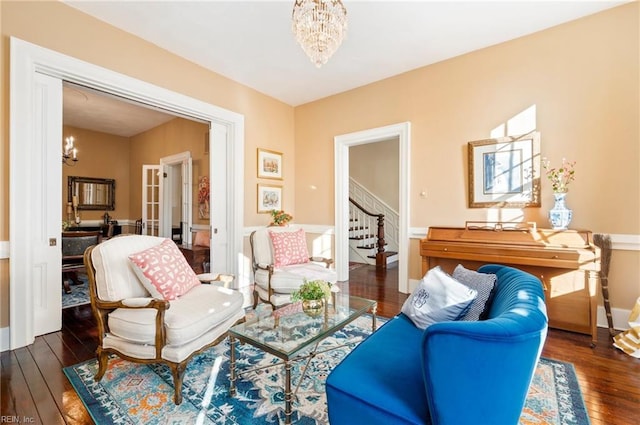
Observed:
{"x":566,"y":262}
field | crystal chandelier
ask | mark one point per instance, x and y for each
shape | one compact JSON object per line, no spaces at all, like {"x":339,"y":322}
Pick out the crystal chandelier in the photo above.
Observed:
{"x":70,"y":152}
{"x":319,"y":27}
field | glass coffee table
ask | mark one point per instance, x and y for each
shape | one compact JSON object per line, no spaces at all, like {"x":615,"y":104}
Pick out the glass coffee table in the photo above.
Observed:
{"x":286,"y":336}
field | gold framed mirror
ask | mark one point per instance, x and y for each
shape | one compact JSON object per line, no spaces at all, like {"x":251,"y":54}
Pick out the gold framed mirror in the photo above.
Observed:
{"x":90,"y":193}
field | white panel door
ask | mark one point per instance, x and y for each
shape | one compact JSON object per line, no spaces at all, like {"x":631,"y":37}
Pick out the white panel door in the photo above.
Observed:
{"x":152,"y":185}
{"x":218,"y":192}
{"x":45,"y":195}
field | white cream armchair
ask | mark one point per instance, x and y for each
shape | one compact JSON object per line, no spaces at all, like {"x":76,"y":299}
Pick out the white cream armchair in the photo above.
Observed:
{"x":145,"y":328}
{"x":281,"y":263}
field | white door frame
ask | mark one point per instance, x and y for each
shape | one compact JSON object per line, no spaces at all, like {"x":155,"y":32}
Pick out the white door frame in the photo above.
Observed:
{"x":25,"y":60}
{"x":342,"y":143}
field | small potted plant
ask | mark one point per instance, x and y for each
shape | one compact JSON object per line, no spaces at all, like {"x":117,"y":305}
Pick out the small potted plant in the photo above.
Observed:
{"x":313,"y":294}
{"x":280,"y":218}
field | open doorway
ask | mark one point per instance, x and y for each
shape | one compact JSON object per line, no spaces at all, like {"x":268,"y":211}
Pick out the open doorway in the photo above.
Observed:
{"x":35,"y":189}
{"x":342,"y":143}
{"x":176,"y":201}
{"x":112,"y":137}
{"x":116,"y":138}
{"x":374,"y":179}
{"x":176,"y":219}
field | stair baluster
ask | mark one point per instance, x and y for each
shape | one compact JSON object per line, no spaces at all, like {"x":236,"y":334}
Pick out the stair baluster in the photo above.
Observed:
{"x":381,"y":255}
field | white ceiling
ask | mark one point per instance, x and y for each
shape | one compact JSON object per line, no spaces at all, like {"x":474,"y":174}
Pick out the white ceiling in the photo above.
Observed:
{"x":92,"y":110}
{"x":251,"y":41}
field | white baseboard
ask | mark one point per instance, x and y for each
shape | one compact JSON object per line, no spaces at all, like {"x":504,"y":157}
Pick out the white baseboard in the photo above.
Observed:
{"x":620,"y":318}
{"x":5,"y":340}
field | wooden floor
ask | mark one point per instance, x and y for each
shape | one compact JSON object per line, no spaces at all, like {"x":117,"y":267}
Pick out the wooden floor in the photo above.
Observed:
{"x":35,"y":389}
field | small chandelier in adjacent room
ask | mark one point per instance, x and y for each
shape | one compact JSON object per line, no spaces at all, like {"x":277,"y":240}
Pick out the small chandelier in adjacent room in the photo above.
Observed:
{"x":70,"y":153}
{"x":319,"y":27}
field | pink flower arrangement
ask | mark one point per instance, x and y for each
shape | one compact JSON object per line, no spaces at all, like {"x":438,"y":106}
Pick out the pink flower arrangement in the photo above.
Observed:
{"x":561,"y":177}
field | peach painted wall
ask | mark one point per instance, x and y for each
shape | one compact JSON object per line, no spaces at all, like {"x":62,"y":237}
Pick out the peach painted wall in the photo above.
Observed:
{"x":577,"y":84}
{"x":176,"y":136}
{"x":375,"y":166}
{"x":121,"y":158}
{"x":56,"y":26}
{"x":102,"y":156}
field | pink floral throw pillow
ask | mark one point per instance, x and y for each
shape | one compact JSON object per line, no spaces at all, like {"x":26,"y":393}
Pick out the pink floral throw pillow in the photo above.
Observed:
{"x":164,"y":271}
{"x":289,"y":248}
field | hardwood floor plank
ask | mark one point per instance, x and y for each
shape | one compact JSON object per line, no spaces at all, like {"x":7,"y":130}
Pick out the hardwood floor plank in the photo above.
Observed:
{"x":64,"y":395}
{"x":42,"y":397}
{"x":15,"y":392}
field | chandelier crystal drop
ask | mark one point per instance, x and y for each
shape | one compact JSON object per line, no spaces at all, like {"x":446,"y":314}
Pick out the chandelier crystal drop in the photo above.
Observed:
{"x":319,"y":27}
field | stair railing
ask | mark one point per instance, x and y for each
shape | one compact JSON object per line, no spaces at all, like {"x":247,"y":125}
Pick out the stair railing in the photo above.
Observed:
{"x":381,"y":256}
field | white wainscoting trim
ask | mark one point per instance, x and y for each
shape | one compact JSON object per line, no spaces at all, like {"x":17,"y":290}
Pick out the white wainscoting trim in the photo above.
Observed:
{"x":625,"y":242}
{"x":314,"y":229}
{"x":318,"y":229}
{"x":418,"y":232}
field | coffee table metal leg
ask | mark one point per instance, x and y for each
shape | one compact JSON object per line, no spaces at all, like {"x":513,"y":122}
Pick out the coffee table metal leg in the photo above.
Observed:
{"x":232,"y":366}
{"x":288,"y":396}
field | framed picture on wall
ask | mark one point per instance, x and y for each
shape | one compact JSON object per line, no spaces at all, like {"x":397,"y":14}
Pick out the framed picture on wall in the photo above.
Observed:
{"x":269,"y":198}
{"x":505,"y":172}
{"x":269,"y":164}
{"x":203,"y":197}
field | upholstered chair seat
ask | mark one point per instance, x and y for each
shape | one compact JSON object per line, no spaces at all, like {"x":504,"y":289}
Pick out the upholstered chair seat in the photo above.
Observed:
{"x":194,"y":319}
{"x":280,"y":270}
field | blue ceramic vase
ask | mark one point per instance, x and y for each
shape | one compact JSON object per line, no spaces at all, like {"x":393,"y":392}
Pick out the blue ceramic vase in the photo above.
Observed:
{"x":560,"y":216}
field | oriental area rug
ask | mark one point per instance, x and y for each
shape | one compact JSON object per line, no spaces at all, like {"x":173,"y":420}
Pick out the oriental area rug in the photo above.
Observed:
{"x":79,"y":295}
{"x":132,"y":393}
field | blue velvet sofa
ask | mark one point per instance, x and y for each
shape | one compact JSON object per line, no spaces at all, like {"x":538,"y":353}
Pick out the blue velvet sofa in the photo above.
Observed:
{"x":451,"y":373}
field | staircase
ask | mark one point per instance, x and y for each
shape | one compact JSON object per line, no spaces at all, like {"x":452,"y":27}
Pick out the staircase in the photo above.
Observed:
{"x":368,"y":230}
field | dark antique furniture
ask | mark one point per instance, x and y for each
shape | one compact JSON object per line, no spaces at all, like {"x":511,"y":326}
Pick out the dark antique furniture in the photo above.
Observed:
{"x":196,"y":256}
{"x":566,"y":261}
{"x":73,"y":246}
{"x":107,"y":230}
